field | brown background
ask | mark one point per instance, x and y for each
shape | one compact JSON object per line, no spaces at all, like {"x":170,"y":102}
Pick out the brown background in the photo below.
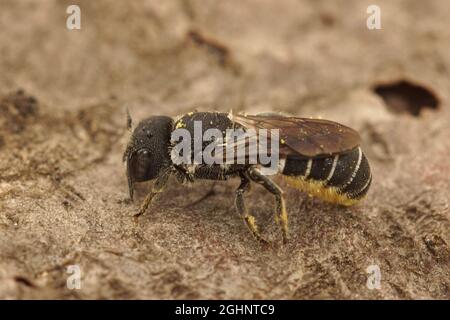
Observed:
{"x":62,"y":184}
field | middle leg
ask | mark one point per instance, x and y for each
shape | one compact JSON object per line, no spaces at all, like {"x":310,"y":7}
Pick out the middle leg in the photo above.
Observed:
{"x":281,"y":217}
{"x":242,"y":210}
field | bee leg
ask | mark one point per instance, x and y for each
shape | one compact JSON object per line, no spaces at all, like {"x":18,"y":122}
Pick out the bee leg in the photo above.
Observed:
{"x":241,"y":208}
{"x":157,"y":188}
{"x":281,"y":217}
{"x":210,"y":193}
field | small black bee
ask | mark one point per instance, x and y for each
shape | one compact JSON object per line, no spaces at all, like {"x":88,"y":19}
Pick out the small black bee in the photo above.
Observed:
{"x":320,"y":157}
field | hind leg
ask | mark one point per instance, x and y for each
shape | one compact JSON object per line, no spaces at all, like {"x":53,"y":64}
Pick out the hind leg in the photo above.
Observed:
{"x":281,"y":216}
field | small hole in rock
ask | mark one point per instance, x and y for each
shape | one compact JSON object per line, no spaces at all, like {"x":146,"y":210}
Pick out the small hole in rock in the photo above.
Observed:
{"x":406,"y":97}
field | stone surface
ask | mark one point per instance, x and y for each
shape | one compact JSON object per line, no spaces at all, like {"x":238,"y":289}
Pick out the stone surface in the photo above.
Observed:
{"x":63,"y":190}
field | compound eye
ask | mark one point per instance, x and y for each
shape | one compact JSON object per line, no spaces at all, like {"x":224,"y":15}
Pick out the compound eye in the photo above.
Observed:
{"x":143,"y":153}
{"x":140,"y":164}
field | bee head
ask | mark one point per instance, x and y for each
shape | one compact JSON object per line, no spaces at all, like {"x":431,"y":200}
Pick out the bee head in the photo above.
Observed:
{"x":147,"y":152}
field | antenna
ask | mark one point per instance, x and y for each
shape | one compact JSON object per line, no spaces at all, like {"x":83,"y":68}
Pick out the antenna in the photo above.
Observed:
{"x":129,"y":120}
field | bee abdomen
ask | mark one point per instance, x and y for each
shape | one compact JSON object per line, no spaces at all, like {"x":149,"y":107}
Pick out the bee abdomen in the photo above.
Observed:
{"x":343,"y":178}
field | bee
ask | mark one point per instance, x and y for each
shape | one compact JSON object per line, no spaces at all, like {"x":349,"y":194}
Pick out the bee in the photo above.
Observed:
{"x":319,"y":157}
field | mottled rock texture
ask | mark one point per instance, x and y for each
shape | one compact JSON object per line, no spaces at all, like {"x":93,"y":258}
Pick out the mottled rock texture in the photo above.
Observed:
{"x":63,"y":190}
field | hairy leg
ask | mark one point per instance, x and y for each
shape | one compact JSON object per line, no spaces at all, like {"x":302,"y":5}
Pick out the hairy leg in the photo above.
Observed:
{"x":281,"y":216}
{"x":241,"y":208}
{"x":157,"y":188}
